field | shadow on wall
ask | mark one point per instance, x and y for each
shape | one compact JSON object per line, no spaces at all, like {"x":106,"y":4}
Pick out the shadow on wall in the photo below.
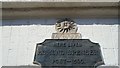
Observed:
{"x":53,"y":21}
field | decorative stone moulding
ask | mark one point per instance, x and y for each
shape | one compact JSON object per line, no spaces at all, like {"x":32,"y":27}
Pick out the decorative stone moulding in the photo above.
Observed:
{"x":66,"y":29}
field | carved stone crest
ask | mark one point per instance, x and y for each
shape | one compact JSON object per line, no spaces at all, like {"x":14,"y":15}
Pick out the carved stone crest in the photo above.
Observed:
{"x":66,"y":29}
{"x":66,"y":26}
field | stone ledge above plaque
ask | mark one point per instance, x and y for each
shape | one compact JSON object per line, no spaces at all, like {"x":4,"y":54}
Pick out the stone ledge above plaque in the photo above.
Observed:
{"x":66,"y":36}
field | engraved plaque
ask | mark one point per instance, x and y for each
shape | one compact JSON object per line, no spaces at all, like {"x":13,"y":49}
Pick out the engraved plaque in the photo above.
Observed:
{"x":68,"y":52}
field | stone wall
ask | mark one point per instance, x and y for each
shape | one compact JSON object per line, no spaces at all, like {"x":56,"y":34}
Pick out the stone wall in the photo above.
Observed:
{"x":97,"y":22}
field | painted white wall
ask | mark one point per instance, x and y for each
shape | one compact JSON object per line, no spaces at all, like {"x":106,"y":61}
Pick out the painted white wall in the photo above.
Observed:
{"x":19,"y":41}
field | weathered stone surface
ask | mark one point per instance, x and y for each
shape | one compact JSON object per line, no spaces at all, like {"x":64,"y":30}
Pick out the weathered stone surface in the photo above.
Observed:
{"x":69,"y":53}
{"x":66,"y":36}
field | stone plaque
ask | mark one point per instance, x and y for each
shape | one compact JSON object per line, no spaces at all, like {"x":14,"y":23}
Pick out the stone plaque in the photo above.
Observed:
{"x":68,"y":52}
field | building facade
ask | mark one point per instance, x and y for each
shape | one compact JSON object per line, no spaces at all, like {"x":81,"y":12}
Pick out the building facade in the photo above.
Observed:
{"x":26,"y":24}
